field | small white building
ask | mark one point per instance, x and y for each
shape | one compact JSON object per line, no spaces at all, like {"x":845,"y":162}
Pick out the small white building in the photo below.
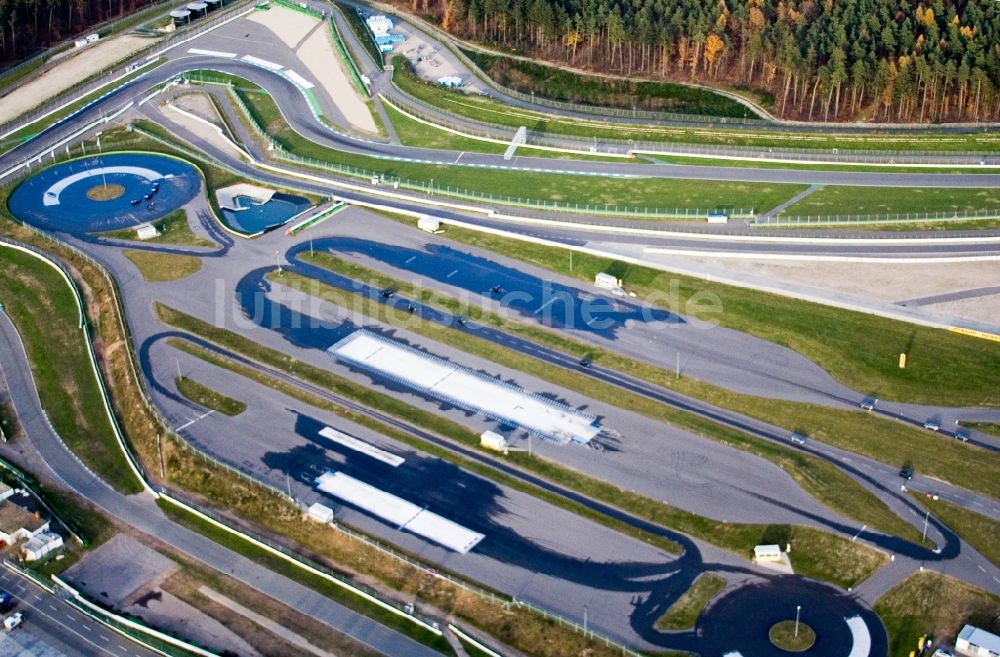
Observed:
{"x":975,"y":642}
{"x":19,"y":524}
{"x":718,"y":218}
{"x":606,"y":281}
{"x":770,"y":553}
{"x":320,"y":513}
{"x":493,"y":440}
{"x":41,"y":545}
{"x":379,"y":25}
{"x":429,"y":224}
{"x":146,"y":231}
{"x":452,"y":81}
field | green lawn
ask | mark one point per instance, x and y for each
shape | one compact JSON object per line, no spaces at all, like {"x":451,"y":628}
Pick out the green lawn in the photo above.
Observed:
{"x":519,"y":186}
{"x":414,"y":133}
{"x":211,"y":399}
{"x":819,"y":478}
{"x":486,"y":110}
{"x":683,"y":614}
{"x":893,"y":200}
{"x":930,"y":603}
{"x":44,"y":311}
{"x":860,"y":350}
{"x":817,"y":553}
{"x":173,"y":228}
{"x":159,"y":267}
{"x":985,"y":427}
{"x":979,"y":531}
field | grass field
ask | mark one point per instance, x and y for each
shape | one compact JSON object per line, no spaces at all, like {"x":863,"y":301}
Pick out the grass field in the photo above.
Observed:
{"x":622,"y":93}
{"x":930,"y":603}
{"x":160,"y":267}
{"x":414,"y":133}
{"x":819,"y":478}
{"x":818,"y":554}
{"x":211,"y":399}
{"x":860,"y":350}
{"x":683,"y":614}
{"x":893,"y":200}
{"x":985,"y":427}
{"x":44,"y":311}
{"x":173,"y":228}
{"x":979,"y":531}
{"x":511,"y":186}
{"x":491,"y":111}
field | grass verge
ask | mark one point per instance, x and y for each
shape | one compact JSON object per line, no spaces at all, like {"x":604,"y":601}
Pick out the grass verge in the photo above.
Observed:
{"x":684,"y":613}
{"x":173,"y":229}
{"x":931,"y":603}
{"x":979,"y":531}
{"x":821,"y":479}
{"x":486,"y":110}
{"x":985,"y":427}
{"x":833,"y":200}
{"x":818,"y":554}
{"x":525,"y":186}
{"x":295,"y":573}
{"x":161,"y":267}
{"x":205,"y":396}
{"x":859,"y":350}
{"x":42,"y":307}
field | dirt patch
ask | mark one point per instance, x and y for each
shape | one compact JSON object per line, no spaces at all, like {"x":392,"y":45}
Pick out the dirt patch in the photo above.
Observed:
{"x":317,"y":53}
{"x":287,"y":24}
{"x":105,"y":192}
{"x":199,"y":104}
{"x":912,"y":284}
{"x":67,"y":73}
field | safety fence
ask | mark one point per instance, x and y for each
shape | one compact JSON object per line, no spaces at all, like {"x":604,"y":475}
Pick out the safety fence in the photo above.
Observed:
{"x":279,"y":152}
{"x":838,"y":155}
{"x":346,"y":57}
{"x":785,"y":221}
{"x":364,"y":35}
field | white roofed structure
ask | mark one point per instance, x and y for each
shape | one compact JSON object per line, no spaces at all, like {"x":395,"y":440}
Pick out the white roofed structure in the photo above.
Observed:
{"x":465,"y":388}
{"x":399,"y":512}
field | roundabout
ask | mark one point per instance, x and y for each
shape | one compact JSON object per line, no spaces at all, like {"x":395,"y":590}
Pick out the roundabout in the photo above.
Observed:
{"x":106,"y":192}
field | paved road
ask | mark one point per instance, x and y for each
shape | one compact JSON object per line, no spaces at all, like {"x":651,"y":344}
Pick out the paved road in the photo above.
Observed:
{"x":141,"y":512}
{"x":52,"y":628}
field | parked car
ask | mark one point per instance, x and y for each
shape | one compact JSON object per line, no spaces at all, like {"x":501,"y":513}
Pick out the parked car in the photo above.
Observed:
{"x":6,"y":602}
{"x":932,"y":425}
{"x":868,"y":403}
{"x":963,"y":435}
{"x":12,"y":621}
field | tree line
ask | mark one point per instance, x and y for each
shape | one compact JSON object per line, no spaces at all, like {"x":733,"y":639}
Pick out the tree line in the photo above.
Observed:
{"x":27,"y":26}
{"x":830,"y":60}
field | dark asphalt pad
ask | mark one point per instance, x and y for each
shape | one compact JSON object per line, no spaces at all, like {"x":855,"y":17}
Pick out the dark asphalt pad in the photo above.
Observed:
{"x":56,"y":199}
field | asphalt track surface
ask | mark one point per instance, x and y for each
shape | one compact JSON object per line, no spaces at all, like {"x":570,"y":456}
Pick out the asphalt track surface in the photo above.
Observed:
{"x":252,"y":71}
{"x":51,"y":624}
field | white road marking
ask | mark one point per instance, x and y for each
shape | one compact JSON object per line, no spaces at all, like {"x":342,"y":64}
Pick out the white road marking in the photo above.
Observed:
{"x":459,"y":157}
{"x":452,"y":274}
{"x":545,"y":305}
{"x":411,"y":259}
{"x":200,"y":417}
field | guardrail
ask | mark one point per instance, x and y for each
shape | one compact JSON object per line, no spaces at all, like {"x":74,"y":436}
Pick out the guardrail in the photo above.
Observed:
{"x":346,"y":58}
{"x":784,"y":221}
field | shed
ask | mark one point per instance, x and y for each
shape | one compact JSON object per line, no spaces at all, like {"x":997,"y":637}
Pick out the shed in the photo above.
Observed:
{"x":429,"y":224}
{"x":606,"y":281}
{"x":767,"y":553}
{"x":320,"y":513}
{"x":977,"y":642}
{"x":41,"y":545}
{"x":181,"y":16}
{"x":718,"y":218}
{"x":493,"y":440}
{"x":197,"y":9}
{"x":146,"y":231}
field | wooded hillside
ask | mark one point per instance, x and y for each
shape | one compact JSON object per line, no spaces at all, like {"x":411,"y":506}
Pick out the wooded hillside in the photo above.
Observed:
{"x":885,"y":60}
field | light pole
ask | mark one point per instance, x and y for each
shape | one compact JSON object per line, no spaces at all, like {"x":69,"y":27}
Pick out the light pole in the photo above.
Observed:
{"x":798,"y":608}
{"x":585,"y":620}
{"x":277,"y":259}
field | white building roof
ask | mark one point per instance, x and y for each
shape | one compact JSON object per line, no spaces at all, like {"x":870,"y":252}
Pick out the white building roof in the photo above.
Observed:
{"x":399,"y":512}
{"x":465,"y":388}
{"x":981,"y":638}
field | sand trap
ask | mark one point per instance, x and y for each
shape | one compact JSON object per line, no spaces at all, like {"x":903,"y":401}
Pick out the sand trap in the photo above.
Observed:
{"x":68,"y":72}
{"x":317,"y":52}
{"x":287,"y":24}
{"x":313,"y":45}
{"x":886,"y":282}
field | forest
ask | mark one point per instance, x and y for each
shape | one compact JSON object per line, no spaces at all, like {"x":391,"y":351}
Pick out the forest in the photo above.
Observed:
{"x":821,"y":60}
{"x":28,"y":26}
